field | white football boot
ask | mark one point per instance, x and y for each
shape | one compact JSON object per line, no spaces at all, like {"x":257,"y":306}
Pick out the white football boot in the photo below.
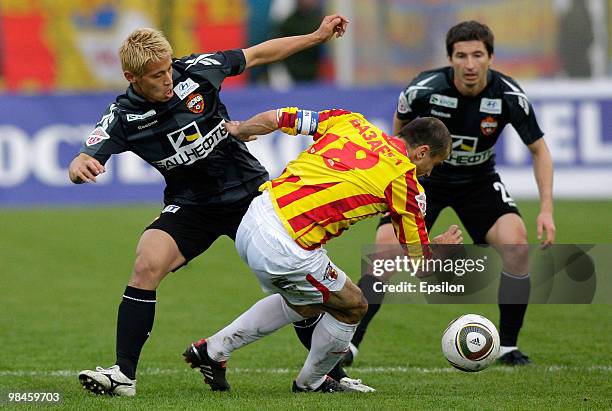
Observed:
{"x":107,"y":381}
{"x":355,"y":385}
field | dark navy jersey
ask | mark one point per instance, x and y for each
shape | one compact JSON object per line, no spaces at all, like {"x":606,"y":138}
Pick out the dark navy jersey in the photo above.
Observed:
{"x":184,"y":138}
{"x":475,"y":123}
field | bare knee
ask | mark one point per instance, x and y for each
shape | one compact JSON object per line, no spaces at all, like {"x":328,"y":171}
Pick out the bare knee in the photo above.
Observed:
{"x":147,"y":274}
{"x":515,"y":258}
{"x":515,"y":253}
{"x":509,"y":236}
{"x":356,"y":311}
{"x":156,"y":255}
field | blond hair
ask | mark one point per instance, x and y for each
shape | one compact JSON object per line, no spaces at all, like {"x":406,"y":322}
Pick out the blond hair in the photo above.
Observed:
{"x":141,"y":47}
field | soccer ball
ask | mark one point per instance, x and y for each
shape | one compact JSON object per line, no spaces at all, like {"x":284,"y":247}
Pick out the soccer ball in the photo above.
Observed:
{"x":470,"y":343}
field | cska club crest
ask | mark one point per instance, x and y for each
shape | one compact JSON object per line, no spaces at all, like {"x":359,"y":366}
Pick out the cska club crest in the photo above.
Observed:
{"x":488,"y":125}
{"x":195,"y":103}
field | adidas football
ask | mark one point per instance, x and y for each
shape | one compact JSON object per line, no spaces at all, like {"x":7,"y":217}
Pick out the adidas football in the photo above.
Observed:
{"x":470,"y":343}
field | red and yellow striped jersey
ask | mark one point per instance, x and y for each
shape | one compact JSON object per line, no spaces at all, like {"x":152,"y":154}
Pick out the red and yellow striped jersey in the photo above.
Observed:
{"x":352,"y":171}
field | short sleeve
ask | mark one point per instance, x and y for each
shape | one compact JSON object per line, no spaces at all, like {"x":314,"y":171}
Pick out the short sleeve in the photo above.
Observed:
{"x":404,"y":110}
{"x":215,"y":67}
{"x":106,"y":138}
{"x":522,"y":116}
{"x":408,"y":99}
{"x":523,"y":119}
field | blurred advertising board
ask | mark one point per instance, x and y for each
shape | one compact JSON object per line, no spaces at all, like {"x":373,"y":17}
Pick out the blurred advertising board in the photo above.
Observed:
{"x":39,"y":135}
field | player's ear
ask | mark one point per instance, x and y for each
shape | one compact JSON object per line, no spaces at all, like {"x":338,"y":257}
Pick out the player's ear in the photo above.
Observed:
{"x":426,"y":149}
{"x":423,"y":150}
{"x":129,"y":76}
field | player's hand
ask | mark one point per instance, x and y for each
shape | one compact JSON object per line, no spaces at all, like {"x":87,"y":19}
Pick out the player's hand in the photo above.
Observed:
{"x":233,"y":127}
{"x":451,"y":236}
{"x":546,"y":229}
{"x":334,"y":24}
{"x":448,"y":244}
{"x":85,"y":169}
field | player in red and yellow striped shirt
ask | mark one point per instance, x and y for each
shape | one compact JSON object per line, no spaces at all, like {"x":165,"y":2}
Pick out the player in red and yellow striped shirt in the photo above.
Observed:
{"x":353,"y":170}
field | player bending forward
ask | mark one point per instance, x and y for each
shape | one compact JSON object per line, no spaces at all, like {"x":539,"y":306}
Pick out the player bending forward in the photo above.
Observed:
{"x":352,"y":171}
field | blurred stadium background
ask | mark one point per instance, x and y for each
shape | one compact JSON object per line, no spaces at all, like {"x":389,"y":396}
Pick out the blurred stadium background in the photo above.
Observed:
{"x":64,"y":263}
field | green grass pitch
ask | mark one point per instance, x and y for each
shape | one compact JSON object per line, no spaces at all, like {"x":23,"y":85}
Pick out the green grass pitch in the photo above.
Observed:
{"x":63,"y":272}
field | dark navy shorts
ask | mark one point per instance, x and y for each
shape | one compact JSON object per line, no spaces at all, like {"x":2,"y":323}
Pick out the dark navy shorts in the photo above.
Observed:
{"x":194,"y":228}
{"x":478,"y":204}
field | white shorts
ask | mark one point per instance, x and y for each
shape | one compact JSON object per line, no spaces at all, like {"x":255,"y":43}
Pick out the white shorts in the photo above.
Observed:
{"x":301,"y":276}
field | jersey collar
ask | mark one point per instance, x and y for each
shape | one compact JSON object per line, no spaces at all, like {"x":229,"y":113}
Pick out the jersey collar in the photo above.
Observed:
{"x":135,"y":97}
{"x":397,"y":143}
{"x":136,"y":101}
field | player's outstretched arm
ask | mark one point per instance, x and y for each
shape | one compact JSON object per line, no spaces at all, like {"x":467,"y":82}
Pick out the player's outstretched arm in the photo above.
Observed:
{"x":84,"y":169}
{"x":543,"y":171}
{"x":260,"y":124}
{"x":278,"y":49}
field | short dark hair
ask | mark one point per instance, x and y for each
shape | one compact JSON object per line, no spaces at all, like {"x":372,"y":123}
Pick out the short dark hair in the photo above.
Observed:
{"x":427,"y":131}
{"x":468,"y":31}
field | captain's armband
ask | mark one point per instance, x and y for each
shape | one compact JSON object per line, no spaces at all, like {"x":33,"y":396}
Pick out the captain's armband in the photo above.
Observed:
{"x":292,"y":120}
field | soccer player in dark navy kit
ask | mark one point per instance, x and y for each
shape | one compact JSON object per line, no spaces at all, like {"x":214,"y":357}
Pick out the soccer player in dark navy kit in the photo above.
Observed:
{"x":475,"y":103}
{"x":172,"y":118}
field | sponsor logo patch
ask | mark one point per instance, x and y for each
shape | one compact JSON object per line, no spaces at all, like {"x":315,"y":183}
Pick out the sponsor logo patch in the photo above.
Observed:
{"x":491,"y":105}
{"x":421,"y":200}
{"x":203,"y":59}
{"x":136,"y":117}
{"x":149,"y":124}
{"x":464,"y":152}
{"x":523,"y":101}
{"x":440,"y":113}
{"x":464,"y":143}
{"x":488,"y":125}
{"x":107,"y":119}
{"x":190,"y":145}
{"x":185,"y":135}
{"x":443,"y":101}
{"x":171,"y":209}
{"x":195,"y":103}
{"x":184,"y":88}
{"x":97,"y":135}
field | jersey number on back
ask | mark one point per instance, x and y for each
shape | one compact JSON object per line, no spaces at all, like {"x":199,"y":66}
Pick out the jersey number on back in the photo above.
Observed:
{"x":351,"y":156}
